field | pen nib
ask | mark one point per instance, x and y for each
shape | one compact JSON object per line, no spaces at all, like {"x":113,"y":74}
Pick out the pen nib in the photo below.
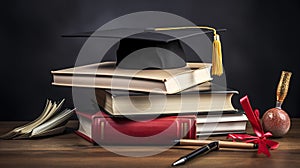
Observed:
{"x":178,"y":162}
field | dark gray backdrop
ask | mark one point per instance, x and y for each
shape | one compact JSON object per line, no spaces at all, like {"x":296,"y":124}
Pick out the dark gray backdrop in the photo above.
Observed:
{"x":261,"y":41}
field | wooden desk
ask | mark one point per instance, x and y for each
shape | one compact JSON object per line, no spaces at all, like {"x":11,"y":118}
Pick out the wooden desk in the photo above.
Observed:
{"x":69,"y":150}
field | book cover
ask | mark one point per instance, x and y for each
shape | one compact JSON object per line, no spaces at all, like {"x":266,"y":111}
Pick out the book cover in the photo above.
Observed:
{"x":106,"y":75}
{"x":104,"y":129}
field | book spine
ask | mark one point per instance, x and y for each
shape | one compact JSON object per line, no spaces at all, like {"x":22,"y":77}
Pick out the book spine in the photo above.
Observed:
{"x":160,"y":131}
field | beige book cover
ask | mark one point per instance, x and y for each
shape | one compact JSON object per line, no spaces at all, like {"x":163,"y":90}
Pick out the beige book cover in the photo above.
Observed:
{"x":205,"y":97}
{"x":106,"y":75}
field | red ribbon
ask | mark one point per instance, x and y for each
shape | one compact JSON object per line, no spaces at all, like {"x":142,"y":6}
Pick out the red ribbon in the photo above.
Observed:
{"x":261,"y":139}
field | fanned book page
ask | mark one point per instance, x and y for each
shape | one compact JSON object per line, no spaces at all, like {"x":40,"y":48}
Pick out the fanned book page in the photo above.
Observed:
{"x":50,"y":122}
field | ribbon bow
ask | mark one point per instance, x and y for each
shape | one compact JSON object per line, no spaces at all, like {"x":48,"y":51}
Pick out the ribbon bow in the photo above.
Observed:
{"x":261,"y":139}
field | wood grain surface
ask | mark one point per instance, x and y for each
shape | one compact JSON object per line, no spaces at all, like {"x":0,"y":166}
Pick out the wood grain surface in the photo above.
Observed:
{"x":70,"y":150}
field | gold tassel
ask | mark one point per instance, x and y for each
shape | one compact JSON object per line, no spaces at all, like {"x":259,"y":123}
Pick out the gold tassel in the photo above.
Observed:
{"x":217,"y":67}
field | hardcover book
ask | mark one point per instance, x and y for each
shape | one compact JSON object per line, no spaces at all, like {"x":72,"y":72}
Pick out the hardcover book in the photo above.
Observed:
{"x":234,"y":122}
{"x":106,"y":75}
{"x":104,"y":129}
{"x":195,"y":99}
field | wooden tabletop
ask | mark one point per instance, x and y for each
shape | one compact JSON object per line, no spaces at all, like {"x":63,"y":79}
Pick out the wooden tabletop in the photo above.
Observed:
{"x":69,"y":150}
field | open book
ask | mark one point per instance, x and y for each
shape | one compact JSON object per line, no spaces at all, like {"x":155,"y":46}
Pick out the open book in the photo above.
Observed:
{"x":50,"y":122}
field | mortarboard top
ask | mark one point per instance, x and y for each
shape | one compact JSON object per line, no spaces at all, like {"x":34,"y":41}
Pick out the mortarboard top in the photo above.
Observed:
{"x":159,"y":48}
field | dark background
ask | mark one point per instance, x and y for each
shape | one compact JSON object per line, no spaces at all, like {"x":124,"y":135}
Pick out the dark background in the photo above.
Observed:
{"x":261,"y":40}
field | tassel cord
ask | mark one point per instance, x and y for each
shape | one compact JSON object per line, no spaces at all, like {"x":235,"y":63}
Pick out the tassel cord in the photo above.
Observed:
{"x":217,"y":67}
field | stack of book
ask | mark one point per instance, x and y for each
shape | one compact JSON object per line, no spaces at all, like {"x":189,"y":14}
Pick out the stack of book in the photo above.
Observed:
{"x":152,"y":106}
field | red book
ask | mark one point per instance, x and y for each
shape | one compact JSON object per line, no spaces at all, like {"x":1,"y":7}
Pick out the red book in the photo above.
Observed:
{"x":104,"y":129}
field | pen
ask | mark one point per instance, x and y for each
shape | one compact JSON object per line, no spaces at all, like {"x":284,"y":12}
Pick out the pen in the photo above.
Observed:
{"x":201,"y":151}
{"x":222,"y":144}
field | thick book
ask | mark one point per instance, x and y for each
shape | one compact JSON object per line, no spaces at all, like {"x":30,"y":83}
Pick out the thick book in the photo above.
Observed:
{"x":195,"y":99}
{"x":104,"y":129}
{"x":221,"y":123}
{"x":106,"y":75}
{"x":94,"y":127}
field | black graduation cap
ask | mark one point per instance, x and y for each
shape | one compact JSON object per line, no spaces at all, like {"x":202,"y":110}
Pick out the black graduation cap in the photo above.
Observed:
{"x":150,"y":50}
{"x":158,"y":48}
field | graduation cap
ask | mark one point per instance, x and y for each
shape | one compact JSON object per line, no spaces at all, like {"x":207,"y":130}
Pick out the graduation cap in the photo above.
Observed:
{"x":159,"y":48}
